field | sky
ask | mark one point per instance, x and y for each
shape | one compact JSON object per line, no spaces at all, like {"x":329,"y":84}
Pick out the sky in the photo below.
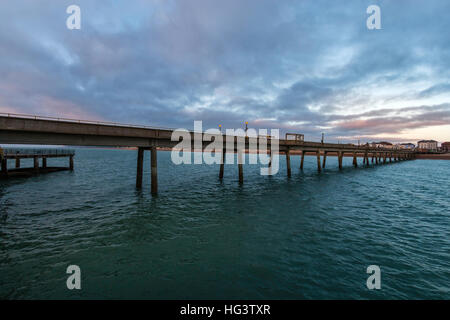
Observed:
{"x":308,"y":67}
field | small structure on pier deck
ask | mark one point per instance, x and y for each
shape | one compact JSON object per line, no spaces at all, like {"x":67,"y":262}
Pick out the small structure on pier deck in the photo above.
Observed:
{"x":28,"y":153}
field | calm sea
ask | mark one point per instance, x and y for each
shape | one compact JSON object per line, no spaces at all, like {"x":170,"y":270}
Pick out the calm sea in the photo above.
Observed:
{"x":310,"y":236}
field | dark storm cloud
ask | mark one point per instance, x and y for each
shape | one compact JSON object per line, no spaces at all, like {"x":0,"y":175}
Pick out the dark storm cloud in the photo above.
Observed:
{"x":304,"y":66}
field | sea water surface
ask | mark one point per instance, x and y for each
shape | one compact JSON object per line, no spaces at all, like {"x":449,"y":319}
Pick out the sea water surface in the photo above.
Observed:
{"x":308,"y":237}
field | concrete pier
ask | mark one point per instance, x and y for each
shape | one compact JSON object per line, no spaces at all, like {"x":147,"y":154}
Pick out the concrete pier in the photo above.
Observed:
{"x":31,"y":129}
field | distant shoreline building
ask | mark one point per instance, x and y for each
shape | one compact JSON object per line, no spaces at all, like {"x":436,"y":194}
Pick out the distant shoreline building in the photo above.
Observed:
{"x":427,"y":145}
{"x":445,"y":146}
{"x":409,"y":146}
{"x":382,"y":144}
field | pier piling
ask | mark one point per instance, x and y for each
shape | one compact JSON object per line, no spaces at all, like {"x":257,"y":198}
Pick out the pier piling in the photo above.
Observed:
{"x":324,"y":158}
{"x":71,"y":163}
{"x":222,"y":165}
{"x":154,"y":170}
{"x":288,"y":163}
{"x":302,"y":160}
{"x":340,"y":156}
{"x":240,"y":167}
{"x":44,"y":162}
{"x":319,"y":168}
{"x":4,"y":165}
{"x":17,"y":163}
{"x":140,"y":166}
{"x":36,"y":163}
{"x":355,"y":160}
{"x":270,"y":163}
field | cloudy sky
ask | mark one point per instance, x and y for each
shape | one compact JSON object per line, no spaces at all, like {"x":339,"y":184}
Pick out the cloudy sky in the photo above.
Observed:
{"x":300,"y":66}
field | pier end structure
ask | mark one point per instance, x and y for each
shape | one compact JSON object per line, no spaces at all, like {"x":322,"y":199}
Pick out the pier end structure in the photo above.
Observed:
{"x":38,"y":155}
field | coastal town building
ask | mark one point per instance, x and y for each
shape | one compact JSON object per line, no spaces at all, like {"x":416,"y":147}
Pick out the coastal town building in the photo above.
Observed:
{"x":445,"y":146}
{"x":382,"y":144}
{"x":408,"y":146}
{"x":427,"y":145}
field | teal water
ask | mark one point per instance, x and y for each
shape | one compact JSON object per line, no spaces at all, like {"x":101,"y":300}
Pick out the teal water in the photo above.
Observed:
{"x":310,"y":236}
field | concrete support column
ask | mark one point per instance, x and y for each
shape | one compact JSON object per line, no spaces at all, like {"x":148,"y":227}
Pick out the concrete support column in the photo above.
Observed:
{"x":71,"y":163}
{"x":270,"y":162}
{"x":324,"y":159}
{"x":222,"y":165}
{"x":36,"y":163}
{"x":319,"y":169}
{"x":4,"y":166}
{"x":17,"y":163}
{"x":340,"y":156}
{"x":154,"y":170}
{"x":240,"y":167}
{"x":302,"y":160}
{"x":288,"y":163}
{"x":140,"y":167}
